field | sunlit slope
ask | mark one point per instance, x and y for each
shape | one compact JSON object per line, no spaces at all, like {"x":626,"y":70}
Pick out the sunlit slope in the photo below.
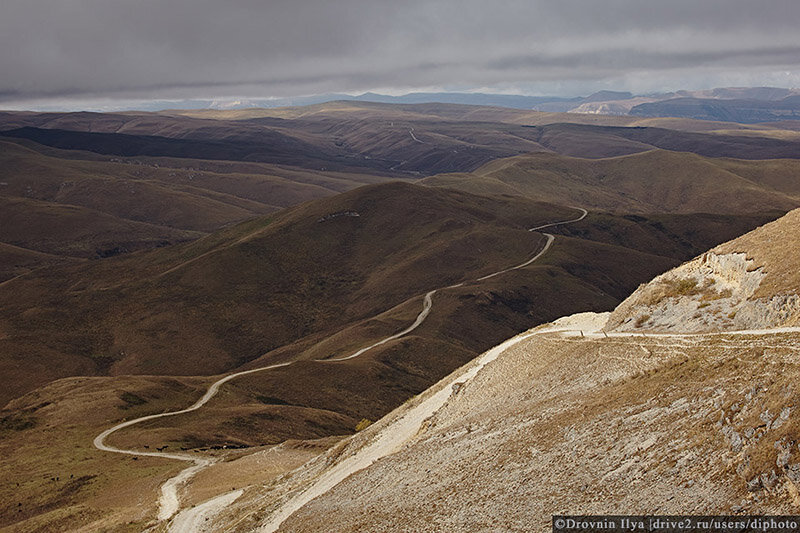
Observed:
{"x":655,"y":181}
{"x":748,"y":283}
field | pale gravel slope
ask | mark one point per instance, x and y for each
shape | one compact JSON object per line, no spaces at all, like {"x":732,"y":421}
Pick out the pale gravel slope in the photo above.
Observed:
{"x":169,"y":501}
{"x":585,"y":425}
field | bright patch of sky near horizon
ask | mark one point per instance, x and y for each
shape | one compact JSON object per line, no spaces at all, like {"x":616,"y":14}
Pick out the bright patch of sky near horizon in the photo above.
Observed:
{"x":103,"y":52}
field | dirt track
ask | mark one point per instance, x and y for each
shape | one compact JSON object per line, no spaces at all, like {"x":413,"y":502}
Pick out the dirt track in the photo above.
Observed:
{"x":169,"y":502}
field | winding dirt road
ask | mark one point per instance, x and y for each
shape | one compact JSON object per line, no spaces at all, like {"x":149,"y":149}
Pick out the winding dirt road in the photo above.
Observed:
{"x":169,"y":502}
{"x":426,"y":309}
{"x":411,"y":132}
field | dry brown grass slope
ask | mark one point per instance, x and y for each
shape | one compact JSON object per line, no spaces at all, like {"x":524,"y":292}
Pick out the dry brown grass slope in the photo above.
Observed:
{"x":16,"y":261}
{"x":231,"y":297}
{"x":273,"y":288}
{"x":76,"y":203}
{"x":655,"y":181}
{"x":219,"y":190}
{"x":396,"y":140}
{"x":577,"y":426}
{"x":73,"y":231}
{"x":472,"y":113}
{"x":118,"y":189}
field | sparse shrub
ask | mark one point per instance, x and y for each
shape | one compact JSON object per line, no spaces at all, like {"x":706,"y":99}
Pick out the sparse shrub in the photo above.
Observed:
{"x":716,"y":295}
{"x":642,"y":320}
{"x":17,"y":422}
{"x":686,"y":287}
{"x":670,"y":289}
{"x":703,"y":305}
{"x":732,"y":315}
{"x":363,"y":424}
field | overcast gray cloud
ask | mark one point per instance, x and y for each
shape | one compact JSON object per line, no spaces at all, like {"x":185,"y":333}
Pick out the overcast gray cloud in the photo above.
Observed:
{"x":212,"y":48}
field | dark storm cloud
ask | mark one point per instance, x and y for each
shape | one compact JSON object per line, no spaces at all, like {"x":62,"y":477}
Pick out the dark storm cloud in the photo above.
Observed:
{"x":189,"y":48}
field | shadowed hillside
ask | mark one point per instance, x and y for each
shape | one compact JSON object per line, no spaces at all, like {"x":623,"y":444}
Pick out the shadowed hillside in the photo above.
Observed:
{"x":78,"y":204}
{"x":302,"y":274}
{"x":230,"y":297}
{"x":313,"y":282}
{"x":395,"y":140}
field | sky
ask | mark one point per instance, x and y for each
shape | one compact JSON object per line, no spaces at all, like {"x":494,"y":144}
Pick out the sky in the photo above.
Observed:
{"x":63,"y":52}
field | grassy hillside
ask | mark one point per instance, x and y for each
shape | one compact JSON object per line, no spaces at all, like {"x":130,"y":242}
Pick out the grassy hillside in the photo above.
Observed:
{"x":16,"y":261}
{"x":78,"y":204}
{"x":279,"y":285}
{"x":394,"y":140}
{"x":275,"y":288}
{"x":69,"y":230}
{"x":584,"y":140}
{"x":232,"y":296}
{"x":278,"y":267}
{"x":656,"y":181}
{"x":577,"y":416}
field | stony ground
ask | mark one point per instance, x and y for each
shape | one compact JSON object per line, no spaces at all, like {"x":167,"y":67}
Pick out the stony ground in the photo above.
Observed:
{"x":750,"y":282}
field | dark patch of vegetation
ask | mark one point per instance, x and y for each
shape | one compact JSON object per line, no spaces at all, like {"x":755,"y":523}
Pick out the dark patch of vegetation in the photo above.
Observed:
{"x":131,"y":400}
{"x":686,"y":287}
{"x":270,"y":400}
{"x":268,"y":416}
{"x":635,"y":218}
{"x":103,"y":362}
{"x":192,"y":441}
{"x":111,"y":252}
{"x":17,"y":422}
{"x":515,"y":303}
{"x":242,"y":422}
{"x":74,"y":485}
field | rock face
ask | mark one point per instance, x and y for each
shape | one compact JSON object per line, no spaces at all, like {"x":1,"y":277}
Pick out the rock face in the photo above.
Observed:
{"x":722,"y":289}
{"x":710,"y":293}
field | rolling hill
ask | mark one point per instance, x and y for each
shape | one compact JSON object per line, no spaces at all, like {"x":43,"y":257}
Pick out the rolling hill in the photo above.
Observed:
{"x":733,"y":110}
{"x":146,"y":255}
{"x":72,"y":203}
{"x":395,"y":140}
{"x":656,"y":181}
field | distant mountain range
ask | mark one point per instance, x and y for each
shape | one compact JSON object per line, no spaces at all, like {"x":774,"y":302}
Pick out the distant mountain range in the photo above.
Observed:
{"x":499,"y":100}
{"x":730,"y":104}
